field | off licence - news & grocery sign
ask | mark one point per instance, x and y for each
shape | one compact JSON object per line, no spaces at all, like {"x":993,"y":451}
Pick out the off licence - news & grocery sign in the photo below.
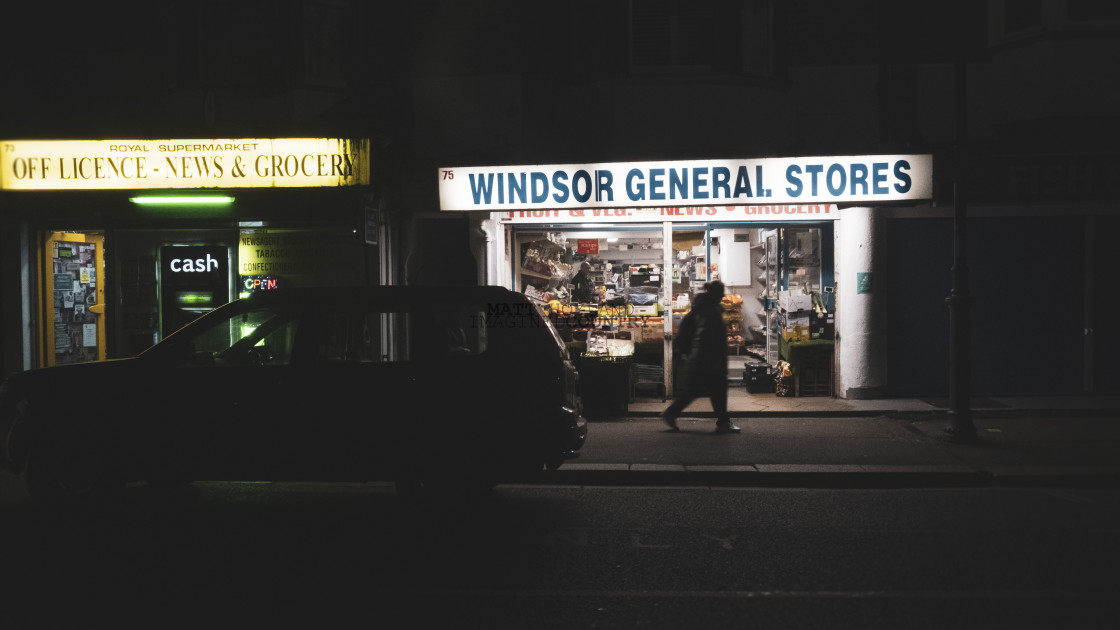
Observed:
{"x":219,"y":163}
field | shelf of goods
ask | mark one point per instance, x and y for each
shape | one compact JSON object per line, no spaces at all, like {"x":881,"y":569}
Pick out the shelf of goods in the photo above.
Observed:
{"x":733,"y":320}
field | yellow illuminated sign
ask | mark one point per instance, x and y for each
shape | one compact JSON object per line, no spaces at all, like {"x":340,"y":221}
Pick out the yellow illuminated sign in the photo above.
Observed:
{"x":171,"y":164}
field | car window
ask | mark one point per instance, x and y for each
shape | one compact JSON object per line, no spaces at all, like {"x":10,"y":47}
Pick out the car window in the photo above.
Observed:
{"x":259,"y":337}
{"x":363,"y":336}
{"x":372,"y":335}
{"x":459,"y":330}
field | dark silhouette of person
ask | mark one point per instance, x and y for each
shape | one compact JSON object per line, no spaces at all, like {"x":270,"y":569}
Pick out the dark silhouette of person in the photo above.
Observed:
{"x":702,"y":339}
{"x":581,"y":285}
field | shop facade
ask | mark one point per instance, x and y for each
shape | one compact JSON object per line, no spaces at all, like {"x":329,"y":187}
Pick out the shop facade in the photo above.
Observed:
{"x":111,"y":245}
{"x":793,"y":239}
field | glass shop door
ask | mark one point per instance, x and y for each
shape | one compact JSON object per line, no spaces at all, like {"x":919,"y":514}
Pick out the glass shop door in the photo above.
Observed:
{"x":73,"y":277}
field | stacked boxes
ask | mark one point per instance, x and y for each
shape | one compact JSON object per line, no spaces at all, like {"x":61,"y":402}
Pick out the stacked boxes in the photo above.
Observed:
{"x":794,"y":311}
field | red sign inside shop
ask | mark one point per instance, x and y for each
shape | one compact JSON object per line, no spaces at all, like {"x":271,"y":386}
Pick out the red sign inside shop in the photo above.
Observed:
{"x":587,"y":246}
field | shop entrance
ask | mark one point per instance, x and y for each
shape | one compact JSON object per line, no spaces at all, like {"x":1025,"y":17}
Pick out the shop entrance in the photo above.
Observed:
{"x":73,"y":290}
{"x":610,"y":290}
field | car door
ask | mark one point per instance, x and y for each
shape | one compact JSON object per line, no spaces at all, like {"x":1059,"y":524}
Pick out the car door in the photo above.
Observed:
{"x":226,"y":394}
{"x":363,"y":388}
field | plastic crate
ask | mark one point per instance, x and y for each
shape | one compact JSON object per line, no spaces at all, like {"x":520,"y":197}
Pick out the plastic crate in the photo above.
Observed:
{"x":758,"y":378}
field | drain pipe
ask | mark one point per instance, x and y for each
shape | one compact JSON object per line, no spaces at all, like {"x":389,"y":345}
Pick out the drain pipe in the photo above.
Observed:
{"x":485,"y":235}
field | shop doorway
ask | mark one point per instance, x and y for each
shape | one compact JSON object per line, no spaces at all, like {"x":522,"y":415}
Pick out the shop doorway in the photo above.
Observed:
{"x":73,"y":304}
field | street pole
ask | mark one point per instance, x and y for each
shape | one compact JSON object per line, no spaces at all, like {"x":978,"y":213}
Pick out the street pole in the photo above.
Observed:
{"x":960,"y":427}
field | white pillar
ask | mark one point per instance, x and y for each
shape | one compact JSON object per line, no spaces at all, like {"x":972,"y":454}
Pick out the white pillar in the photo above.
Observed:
{"x":861,"y":342}
{"x":667,"y":304}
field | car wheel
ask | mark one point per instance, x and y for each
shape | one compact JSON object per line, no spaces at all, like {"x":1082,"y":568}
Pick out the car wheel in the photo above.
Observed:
{"x":58,"y":472}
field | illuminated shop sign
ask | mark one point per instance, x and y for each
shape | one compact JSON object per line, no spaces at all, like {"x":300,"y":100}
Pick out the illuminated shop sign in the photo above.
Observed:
{"x":301,"y":257}
{"x":183,"y":263}
{"x":779,"y":212}
{"x":171,"y":164}
{"x":807,"y":180}
{"x":259,"y":283}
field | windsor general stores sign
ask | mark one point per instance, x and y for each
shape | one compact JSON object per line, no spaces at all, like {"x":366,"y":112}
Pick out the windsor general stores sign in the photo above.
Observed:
{"x":140,"y":164}
{"x":800,"y":181}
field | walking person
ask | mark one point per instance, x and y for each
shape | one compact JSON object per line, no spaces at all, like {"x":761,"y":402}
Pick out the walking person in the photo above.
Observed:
{"x":702,"y":339}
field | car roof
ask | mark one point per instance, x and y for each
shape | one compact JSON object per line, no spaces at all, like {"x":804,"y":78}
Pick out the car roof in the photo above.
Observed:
{"x":401,"y":294}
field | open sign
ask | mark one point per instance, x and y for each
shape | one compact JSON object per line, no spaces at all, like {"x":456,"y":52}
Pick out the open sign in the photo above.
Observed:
{"x":259,"y":283}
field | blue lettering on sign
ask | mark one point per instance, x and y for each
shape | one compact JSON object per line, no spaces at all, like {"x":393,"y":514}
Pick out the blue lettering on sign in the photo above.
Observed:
{"x":721,"y":181}
{"x":559,"y":182}
{"x":840,"y":179}
{"x":793,"y":173}
{"x":859,"y":178}
{"x":900,"y":168}
{"x":743,"y":183}
{"x":834,"y":170}
{"x":603,"y":185}
{"x":635,"y":188}
{"x":878,"y":178}
{"x":678,"y":183}
{"x":584,"y":177}
{"x":482,"y":188}
{"x":536,"y":178}
{"x":813,"y":170}
{"x":699,"y":181}
{"x":516,"y":187}
{"x":656,"y":183}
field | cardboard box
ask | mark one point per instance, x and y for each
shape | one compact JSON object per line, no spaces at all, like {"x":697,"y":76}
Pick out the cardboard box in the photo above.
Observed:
{"x":795,"y":333}
{"x":822,"y":327}
{"x":791,"y":301}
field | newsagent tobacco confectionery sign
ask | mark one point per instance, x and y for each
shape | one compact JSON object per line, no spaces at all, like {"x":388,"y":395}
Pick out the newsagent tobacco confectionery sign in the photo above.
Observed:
{"x":168,"y":164}
{"x":769,"y":181}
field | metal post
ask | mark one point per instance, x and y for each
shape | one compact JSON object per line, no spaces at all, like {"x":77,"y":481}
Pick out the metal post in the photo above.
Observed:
{"x":960,"y":427}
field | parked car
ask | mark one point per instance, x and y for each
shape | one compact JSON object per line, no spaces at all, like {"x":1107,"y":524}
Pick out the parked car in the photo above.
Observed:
{"x":425,"y":386}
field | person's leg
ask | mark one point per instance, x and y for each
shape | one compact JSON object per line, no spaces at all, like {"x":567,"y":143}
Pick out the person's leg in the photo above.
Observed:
{"x":717,"y":390}
{"x":674,"y":410}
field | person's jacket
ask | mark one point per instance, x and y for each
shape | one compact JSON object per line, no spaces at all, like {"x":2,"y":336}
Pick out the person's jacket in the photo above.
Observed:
{"x":581,"y":287}
{"x":702,"y":337}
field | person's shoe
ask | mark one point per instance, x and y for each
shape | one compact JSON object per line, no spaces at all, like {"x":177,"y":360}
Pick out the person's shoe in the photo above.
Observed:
{"x":727,"y":428}
{"x":670,"y":421}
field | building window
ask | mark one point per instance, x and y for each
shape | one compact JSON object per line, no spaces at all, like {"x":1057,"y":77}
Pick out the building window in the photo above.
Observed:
{"x":701,"y":36}
{"x":1024,"y":20}
{"x":1021,"y":15}
{"x":1093,"y":10}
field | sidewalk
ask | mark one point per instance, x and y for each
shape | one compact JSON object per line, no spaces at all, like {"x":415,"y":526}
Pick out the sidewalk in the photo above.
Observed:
{"x":829,"y":442}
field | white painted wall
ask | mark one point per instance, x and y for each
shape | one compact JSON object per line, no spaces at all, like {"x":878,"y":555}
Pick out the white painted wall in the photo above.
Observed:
{"x":860,"y":317}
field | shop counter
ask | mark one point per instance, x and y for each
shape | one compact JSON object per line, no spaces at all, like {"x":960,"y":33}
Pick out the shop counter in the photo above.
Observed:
{"x":606,"y":383}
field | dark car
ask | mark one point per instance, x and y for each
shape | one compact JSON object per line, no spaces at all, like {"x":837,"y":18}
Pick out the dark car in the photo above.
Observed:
{"x":424,"y":386}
